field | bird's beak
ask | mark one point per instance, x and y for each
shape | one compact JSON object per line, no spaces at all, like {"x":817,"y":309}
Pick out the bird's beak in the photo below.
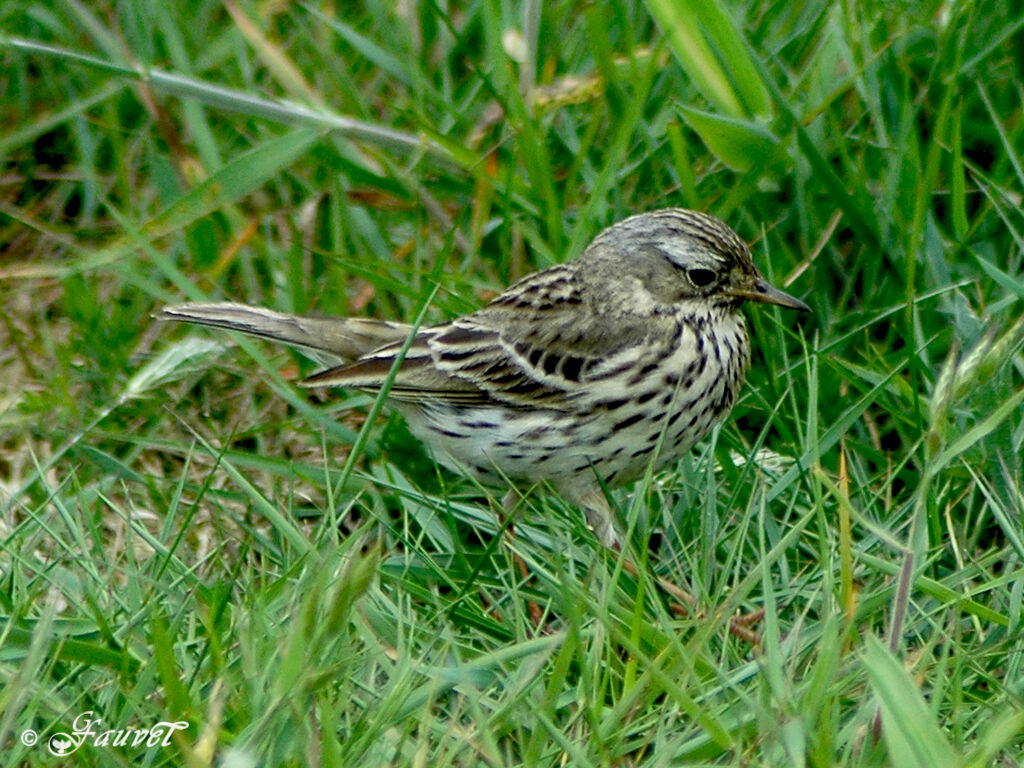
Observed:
{"x":761,"y":290}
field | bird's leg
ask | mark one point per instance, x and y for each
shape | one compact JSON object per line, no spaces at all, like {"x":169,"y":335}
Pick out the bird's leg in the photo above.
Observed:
{"x":509,"y":503}
{"x":600,"y":520}
{"x":685,"y":604}
{"x":592,"y":501}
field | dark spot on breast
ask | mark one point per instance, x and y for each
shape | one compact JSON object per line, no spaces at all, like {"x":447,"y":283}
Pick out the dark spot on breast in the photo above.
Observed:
{"x":646,"y":396}
{"x":551,"y":363}
{"x":611,"y":405}
{"x":627,"y":422}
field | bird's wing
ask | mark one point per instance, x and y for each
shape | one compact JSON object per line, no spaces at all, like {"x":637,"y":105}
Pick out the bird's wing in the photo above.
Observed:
{"x":538,"y":345}
{"x":416,"y":379}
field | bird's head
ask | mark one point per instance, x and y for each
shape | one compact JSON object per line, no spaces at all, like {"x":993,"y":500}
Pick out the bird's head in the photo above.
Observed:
{"x":681,"y":257}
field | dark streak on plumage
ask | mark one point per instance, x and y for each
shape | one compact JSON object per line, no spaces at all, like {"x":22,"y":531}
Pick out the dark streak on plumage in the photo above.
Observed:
{"x":628,"y":421}
{"x":649,"y":395}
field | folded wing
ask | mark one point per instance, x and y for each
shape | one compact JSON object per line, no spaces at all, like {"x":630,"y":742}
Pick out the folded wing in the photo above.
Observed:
{"x":533,"y":346}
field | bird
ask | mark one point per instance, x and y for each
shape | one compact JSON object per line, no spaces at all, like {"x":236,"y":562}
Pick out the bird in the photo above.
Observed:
{"x":581,"y":375}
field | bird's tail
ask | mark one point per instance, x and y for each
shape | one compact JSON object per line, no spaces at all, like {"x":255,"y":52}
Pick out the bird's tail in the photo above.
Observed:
{"x":345,"y":338}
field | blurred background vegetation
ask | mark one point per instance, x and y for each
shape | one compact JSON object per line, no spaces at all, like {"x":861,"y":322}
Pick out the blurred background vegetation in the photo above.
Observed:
{"x":186,"y":535}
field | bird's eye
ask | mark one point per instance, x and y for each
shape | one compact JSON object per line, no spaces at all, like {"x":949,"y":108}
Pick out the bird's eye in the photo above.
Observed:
{"x":701,"y":277}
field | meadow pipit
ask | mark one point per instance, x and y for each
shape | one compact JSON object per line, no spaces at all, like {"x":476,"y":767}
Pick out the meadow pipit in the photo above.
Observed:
{"x":581,"y":374}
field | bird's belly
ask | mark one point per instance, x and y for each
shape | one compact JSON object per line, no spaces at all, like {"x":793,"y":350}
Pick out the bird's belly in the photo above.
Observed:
{"x":495,"y":443}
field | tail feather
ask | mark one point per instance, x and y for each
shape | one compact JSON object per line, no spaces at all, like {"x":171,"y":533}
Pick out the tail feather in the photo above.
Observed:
{"x":343,"y":337}
{"x":366,"y":350}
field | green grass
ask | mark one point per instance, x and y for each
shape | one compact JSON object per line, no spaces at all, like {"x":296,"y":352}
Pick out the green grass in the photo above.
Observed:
{"x":186,"y":535}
